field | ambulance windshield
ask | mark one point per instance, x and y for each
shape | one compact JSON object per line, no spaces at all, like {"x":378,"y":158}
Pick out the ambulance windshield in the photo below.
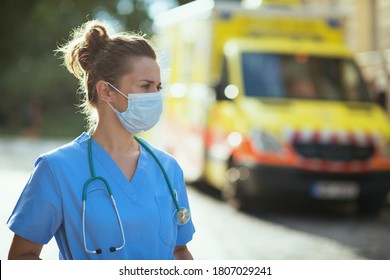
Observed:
{"x":302,"y":76}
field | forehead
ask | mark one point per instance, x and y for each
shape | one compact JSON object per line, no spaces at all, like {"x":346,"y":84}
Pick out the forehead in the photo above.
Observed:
{"x":142,"y":68}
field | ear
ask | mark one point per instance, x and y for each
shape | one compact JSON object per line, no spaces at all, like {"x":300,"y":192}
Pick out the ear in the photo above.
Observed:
{"x":104,"y":91}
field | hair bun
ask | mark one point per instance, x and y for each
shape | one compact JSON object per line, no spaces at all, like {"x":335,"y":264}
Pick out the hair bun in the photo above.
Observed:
{"x":95,"y":38}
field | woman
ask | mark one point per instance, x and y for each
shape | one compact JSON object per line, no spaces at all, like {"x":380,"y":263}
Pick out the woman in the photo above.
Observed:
{"x":68,"y":194}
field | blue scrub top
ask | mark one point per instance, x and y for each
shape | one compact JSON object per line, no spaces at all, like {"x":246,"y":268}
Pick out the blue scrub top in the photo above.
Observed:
{"x":51,"y":205}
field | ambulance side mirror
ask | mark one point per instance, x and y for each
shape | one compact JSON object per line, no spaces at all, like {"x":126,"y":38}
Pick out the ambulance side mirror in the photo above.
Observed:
{"x":230,"y":92}
{"x":223,"y":84}
{"x":381,"y":99}
{"x":220,"y":92}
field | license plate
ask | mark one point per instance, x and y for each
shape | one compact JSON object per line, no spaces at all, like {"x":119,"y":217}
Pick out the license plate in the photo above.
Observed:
{"x":335,"y":190}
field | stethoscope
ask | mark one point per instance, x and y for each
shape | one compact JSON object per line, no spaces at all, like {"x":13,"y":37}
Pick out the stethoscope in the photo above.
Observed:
{"x":180,"y":215}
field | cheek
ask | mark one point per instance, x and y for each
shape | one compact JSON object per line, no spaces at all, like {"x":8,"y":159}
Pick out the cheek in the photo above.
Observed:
{"x":119,"y":103}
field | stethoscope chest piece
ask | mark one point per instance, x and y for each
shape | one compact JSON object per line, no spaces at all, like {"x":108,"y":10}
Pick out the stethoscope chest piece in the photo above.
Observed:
{"x":182,"y":216}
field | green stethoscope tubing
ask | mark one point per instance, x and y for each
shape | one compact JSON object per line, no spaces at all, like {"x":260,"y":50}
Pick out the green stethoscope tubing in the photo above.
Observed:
{"x":94,"y":177}
{"x":92,"y":169}
{"x":182,"y":214}
{"x":163,"y":171}
{"x":84,"y":198}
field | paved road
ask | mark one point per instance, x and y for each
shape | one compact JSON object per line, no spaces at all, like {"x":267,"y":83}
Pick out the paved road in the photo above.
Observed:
{"x":223,"y":233}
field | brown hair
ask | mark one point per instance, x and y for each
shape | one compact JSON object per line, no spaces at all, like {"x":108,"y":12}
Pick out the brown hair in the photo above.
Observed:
{"x":92,"y":55}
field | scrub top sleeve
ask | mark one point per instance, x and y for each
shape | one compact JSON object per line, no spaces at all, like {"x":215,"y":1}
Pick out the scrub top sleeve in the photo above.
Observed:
{"x":38,"y":212}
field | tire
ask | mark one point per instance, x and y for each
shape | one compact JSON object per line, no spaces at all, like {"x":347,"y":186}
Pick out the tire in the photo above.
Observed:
{"x":233,"y":190}
{"x":371,"y":205}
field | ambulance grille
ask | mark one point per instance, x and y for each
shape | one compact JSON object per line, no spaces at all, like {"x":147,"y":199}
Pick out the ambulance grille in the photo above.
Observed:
{"x":334,"y":152}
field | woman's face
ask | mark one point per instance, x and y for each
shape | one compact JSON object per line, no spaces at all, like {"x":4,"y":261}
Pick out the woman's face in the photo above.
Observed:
{"x":144,"y":78}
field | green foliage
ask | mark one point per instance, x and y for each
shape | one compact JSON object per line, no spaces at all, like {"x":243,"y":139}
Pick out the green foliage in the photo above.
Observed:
{"x":32,"y":81}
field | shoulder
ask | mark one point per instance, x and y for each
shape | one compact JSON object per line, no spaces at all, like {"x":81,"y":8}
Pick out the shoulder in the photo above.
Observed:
{"x":165,"y":158}
{"x":67,"y":152}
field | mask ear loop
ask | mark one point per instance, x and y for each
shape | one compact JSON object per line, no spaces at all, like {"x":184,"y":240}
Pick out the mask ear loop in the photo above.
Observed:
{"x":117,"y":90}
{"x":115,"y":110}
{"x":109,"y":104}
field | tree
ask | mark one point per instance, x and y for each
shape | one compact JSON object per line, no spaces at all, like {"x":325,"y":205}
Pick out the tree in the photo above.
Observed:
{"x":32,"y":30}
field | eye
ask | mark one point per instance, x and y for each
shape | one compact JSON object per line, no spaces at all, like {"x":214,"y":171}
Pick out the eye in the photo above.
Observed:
{"x":146,"y":86}
{"x":149,"y":87}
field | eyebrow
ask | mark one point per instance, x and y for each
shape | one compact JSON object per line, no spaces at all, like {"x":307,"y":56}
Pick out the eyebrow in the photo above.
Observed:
{"x":149,"y":81}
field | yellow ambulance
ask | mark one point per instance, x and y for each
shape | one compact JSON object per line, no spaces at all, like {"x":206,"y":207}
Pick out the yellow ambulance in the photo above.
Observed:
{"x":267,"y":102}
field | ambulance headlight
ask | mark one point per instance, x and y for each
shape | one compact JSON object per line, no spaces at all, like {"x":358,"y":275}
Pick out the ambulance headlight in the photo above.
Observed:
{"x":265,"y":142}
{"x":234,"y":139}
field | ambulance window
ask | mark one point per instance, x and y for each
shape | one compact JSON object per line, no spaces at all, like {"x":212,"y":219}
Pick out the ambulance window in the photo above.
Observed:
{"x":301,"y":76}
{"x":354,"y":88}
{"x":262,"y":75}
{"x":328,"y":74}
{"x":338,"y":79}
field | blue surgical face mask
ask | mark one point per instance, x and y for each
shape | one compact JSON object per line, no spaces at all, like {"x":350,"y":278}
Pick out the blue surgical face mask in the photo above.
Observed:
{"x":142,"y":113}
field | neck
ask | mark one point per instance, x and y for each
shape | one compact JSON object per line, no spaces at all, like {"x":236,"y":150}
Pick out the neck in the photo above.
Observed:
{"x":113,"y":137}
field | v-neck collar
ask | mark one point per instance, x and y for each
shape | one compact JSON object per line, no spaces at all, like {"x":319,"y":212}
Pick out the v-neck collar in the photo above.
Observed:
{"x":129,"y":187}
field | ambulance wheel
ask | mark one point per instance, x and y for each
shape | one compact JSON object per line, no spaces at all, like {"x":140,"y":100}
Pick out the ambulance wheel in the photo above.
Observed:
{"x":371,"y":206}
{"x":232,"y":192}
{"x":229,"y":194}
